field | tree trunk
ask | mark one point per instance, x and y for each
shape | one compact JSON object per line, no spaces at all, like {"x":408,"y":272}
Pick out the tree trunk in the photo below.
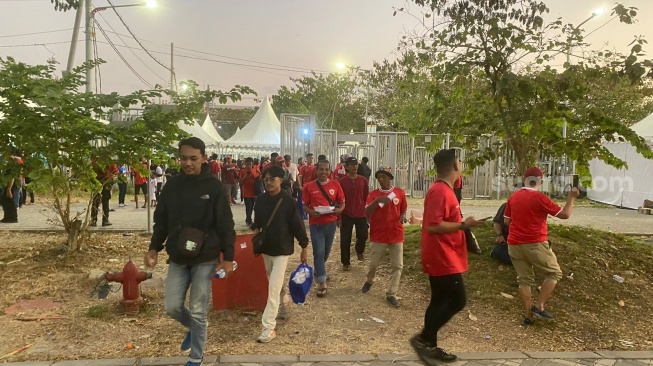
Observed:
{"x":74,"y":235}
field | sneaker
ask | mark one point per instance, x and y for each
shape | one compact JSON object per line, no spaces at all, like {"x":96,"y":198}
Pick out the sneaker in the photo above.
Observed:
{"x":121,"y":205}
{"x":346,"y":267}
{"x":542,"y":314}
{"x":191,"y":363}
{"x":360,"y":257}
{"x":266,"y":336}
{"x":393,"y":301}
{"x":430,"y":355}
{"x":366,"y":287}
{"x":106,"y":223}
{"x":527,"y":323}
{"x":185,"y":344}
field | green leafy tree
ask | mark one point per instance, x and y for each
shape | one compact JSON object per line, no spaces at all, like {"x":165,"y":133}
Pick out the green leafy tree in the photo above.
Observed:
{"x":65,"y":5}
{"x":63,"y":143}
{"x":494,"y":77}
{"x":337,"y":100}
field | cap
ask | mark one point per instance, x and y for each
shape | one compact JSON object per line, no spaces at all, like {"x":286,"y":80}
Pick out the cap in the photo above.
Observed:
{"x":351,"y":161}
{"x":533,"y":172}
{"x":280,"y":158}
{"x":384,"y":170}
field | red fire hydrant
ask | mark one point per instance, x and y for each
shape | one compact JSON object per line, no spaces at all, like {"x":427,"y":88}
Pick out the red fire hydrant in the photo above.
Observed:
{"x":130,"y":277}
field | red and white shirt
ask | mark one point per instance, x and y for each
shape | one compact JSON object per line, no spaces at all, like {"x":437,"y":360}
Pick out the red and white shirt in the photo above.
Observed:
{"x":339,"y":171}
{"x":385,"y":223}
{"x":313,"y":197}
{"x":308,"y":173}
{"x":442,"y":254}
{"x":528,"y":210}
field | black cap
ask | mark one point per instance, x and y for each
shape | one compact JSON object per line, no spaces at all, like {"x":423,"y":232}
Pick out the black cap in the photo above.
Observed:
{"x":383,"y":171}
{"x":351,"y":161}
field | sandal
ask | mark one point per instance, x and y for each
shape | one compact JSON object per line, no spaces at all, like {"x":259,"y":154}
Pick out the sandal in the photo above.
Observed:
{"x":321,"y":292}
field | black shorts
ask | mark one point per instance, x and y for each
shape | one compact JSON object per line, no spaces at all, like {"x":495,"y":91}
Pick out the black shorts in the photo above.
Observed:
{"x":141,"y":187}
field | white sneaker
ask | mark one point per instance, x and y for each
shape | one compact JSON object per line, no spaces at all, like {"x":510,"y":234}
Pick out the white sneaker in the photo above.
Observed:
{"x":121,"y":205}
{"x":266,"y":336}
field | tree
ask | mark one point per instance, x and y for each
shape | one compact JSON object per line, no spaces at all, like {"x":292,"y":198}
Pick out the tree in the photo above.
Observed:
{"x":63,"y":143}
{"x":492,"y":66}
{"x":337,"y":100}
{"x":65,"y":5}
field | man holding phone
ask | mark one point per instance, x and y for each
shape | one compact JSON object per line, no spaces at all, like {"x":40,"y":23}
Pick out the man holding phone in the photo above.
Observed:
{"x":526,"y":214}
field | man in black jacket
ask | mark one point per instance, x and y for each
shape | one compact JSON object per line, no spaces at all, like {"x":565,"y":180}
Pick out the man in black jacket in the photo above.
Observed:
{"x":285,"y":226}
{"x":192,"y":202}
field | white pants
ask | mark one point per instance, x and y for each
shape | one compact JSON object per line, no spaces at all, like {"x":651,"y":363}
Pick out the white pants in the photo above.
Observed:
{"x":275,"y":267}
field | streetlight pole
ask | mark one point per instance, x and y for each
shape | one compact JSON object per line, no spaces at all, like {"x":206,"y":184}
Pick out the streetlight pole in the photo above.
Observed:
{"x":90,"y":14}
{"x":596,"y":13}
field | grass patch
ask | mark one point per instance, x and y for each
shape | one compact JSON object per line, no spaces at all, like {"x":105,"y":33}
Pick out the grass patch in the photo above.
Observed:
{"x":100,"y":311}
{"x":589,"y":303}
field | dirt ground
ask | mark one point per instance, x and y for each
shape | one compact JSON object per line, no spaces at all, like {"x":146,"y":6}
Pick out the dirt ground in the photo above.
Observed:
{"x":34,"y":266}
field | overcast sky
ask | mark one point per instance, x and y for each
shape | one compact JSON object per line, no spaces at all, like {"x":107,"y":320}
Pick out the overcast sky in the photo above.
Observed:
{"x":306,"y":34}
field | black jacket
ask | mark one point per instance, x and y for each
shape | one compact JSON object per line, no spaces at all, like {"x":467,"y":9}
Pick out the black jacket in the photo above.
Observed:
{"x":197,"y":201}
{"x":364,"y":170}
{"x":285,"y":226}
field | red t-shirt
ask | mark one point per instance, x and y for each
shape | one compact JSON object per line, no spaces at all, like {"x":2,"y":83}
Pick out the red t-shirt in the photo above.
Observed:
{"x":385,"y":222}
{"x":215,"y":168}
{"x":248,"y":183}
{"x":528,"y":210}
{"x":230,"y":173}
{"x":138,"y":180}
{"x":313,"y":197}
{"x":458,"y":183}
{"x":338,"y":172}
{"x":308,"y":173}
{"x":356,"y":191}
{"x":442,"y":254}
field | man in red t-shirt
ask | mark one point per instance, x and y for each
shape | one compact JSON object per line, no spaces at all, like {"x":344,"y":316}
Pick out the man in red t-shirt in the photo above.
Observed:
{"x":271,"y":162}
{"x":140,"y":183}
{"x":356,"y":188}
{"x":340,"y":171}
{"x":307,"y":173}
{"x":216,"y":166}
{"x":323,"y":202}
{"x":230,"y":179}
{"x":530,"y":251}
{"x":386,"y":209}
{"x":444,"y":256}
{"x":248,"y":176}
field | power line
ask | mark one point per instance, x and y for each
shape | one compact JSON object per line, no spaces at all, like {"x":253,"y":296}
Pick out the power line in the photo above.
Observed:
{"x":136,"y":38}
{"x":34,"y":44}
{"x":33,"y":33}
{"x":131,"y":50}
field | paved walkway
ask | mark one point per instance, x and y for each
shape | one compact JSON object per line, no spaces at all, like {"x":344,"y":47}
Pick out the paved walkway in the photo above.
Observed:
{"x":599,"y":358}
{"x":128,"y":218}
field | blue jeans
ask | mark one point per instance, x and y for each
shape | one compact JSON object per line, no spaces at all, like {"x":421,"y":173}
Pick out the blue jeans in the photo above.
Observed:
{"x":322,"y":240}
{"x":198,"y":277}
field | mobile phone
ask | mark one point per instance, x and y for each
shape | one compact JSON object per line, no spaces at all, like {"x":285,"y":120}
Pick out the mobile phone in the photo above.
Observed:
{"x":486,"y":218}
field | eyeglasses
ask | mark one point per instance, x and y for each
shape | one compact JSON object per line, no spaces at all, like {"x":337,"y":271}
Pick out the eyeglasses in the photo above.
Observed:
{"x":269,"y":179}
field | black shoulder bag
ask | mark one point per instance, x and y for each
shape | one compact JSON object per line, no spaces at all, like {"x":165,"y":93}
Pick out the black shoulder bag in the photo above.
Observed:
{"x":331,"y":203}
{"x":258,"y":241}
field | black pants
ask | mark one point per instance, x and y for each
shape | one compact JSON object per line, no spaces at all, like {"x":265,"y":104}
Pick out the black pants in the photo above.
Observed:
{"x":9,"y":206}
{"x":249,"y":208}
{"x":25,"y":192}
{"x":158,"y":190}
{"x":447,"y":298}
{"x":346,"y":228}
{"x":122,"y":192}
{"x":103,"y":196}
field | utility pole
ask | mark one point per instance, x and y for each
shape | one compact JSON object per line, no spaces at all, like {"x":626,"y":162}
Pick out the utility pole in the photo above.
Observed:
{"x":73,"y":42}
{"x":89,"y":44}
{"x":173,"y":87}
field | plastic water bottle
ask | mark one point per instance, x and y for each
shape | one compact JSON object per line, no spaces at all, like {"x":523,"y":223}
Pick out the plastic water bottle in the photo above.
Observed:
{"x":618,"y":278}
{"x":221,"y":273}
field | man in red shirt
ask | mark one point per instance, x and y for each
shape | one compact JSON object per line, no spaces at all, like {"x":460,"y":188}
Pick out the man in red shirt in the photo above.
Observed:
{"x":444,"y":257}
{"x":386,"y":210}
{"x":105,"y":176}
{"x":271,"y":162}
{"x":307,"y":172}
{"x":356,"y":189}
{"x":140,"y":183}
{"x":230,"y":179}
{"x":340,"y":171}
{"x":216,"y":166}
{"x":323,"y":202}
{"x":530,"y":251}
{"x":248,"y":176}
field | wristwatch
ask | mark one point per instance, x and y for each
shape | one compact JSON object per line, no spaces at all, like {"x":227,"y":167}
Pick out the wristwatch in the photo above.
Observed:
{"x":499,"y":234}
{"x":463,"y":226}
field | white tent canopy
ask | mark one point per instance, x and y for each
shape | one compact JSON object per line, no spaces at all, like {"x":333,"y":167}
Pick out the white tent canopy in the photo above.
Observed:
{"x":196,"y":131}
{"x":262,"y":132}
{"x":210,"y":129}
{"x":627,"y":187}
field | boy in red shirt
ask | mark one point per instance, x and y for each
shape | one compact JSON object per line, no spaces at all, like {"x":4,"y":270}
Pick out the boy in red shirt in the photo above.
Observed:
{"x":248,"y":175}
{"x":526,"y":214}
{"x":356,"y":189}
{"x":140,"y":184}
{"x":323,"y":202}
{"x":230,"y":179}
{"x":386,"y":209}
{"x":444,"y":257}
